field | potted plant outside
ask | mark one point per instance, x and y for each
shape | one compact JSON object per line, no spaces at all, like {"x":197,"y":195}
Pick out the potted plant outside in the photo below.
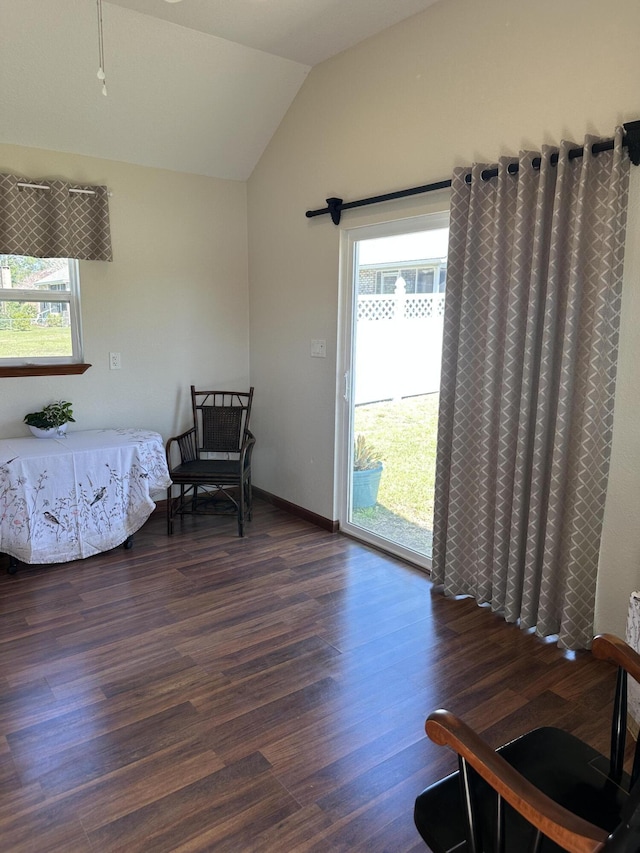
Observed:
{"x":367,"y":471}
{"x":52,"y":421}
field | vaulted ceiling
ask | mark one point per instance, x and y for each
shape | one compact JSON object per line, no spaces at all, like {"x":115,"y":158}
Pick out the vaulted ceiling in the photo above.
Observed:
{"x":196,"y":86}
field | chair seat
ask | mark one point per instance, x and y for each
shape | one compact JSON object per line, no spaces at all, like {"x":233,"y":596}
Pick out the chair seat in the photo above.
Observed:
{"x":204,"y":470}
{"x":575,"y":777}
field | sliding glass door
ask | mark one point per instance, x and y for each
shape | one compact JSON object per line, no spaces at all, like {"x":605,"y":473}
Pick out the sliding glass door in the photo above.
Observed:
{"x":393,"y":306}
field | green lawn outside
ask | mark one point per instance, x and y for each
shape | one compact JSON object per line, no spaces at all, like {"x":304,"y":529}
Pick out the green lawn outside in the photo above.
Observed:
{"x":37,"y":342}
{"x":404,"y":432}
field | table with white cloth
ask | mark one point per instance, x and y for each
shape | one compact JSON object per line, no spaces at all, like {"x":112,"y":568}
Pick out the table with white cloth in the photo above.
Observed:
{"x":71,"y":497}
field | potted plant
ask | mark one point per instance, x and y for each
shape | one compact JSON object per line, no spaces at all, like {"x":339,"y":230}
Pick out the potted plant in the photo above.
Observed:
{"x":367,"y":471}
{"x":51,"y":421}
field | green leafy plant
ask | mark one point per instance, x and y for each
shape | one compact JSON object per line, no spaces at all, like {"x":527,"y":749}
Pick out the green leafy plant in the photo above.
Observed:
{"x":52,"y":416}
{"x":20,"y":315}
{"x":365,"y":457}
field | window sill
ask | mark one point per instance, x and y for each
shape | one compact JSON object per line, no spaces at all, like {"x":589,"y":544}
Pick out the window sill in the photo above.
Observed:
{"x":44,"y":370}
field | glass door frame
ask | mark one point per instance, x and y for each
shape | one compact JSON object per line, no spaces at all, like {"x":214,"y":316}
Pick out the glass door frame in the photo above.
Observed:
{"x":349,"y":239}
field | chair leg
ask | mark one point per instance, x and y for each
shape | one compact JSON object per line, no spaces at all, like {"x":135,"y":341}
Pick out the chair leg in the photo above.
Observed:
{"x":169,"y":514}
{"x":249,"y":500}
{"x":241,"y":509}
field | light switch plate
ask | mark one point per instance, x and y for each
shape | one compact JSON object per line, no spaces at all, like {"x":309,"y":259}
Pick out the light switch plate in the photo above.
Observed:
{"x":318,"y":349}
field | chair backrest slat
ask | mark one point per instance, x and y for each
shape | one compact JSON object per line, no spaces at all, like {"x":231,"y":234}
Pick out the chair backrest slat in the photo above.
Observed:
{"x":466,"y":790}
{"x":221,"y":419}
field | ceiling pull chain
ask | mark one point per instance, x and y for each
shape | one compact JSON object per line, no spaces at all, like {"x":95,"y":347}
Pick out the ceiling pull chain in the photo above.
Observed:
{"x":101,"y":73}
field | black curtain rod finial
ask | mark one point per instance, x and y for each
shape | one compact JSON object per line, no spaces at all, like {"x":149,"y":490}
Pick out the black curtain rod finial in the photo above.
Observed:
{"x":335,"y":209}
{"x":632,"y":140}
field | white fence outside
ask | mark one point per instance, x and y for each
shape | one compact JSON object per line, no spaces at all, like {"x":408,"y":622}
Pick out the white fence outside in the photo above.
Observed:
{"x":398,"y":346}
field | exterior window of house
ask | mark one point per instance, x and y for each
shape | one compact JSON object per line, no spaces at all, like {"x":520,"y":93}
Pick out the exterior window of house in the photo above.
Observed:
{"x":417,"y":279}
{"x":425,"y":281}
{"x":39,"y":311}
{"x":386,"y":281}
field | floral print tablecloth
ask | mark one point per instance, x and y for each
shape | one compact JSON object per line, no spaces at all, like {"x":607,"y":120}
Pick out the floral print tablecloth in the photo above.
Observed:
{"x":68,"y":498}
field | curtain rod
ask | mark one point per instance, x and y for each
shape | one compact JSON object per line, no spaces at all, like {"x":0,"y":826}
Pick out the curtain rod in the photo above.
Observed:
{"x":335,"y":206}
{"x":45,"y":187}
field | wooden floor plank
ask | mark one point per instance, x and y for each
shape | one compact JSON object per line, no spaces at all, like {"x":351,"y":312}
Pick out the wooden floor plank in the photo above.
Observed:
{"x":202,"y":692}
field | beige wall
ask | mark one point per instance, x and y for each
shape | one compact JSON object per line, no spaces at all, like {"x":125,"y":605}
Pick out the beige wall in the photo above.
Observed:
{"x":461,"y":82}
{"x":173,"y":302}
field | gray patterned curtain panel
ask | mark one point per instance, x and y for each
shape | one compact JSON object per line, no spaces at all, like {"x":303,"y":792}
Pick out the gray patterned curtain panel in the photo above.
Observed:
{"x":54,"y":222}
{"x":528,"y":378}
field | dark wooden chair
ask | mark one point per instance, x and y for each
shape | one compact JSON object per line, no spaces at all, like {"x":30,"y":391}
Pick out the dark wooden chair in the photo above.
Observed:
{"x":545,"y":791}
{"x":211,"y":462}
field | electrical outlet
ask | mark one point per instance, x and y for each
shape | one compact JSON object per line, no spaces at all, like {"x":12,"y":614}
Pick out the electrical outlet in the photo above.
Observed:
{"x":114,"y":361}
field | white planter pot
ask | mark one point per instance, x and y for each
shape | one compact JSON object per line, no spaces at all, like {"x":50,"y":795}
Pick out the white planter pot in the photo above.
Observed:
{"x":54,"y":432}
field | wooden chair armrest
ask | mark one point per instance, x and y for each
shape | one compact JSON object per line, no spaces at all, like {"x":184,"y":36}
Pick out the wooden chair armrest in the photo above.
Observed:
{"x":562,"y":826}
{"x":182,"y":435}
{"x":247,"y":447}
{"x":177,"y":439}
{"x":611,"y":648}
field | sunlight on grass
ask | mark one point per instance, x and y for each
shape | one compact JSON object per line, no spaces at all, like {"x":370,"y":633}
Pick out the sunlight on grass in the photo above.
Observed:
{"x":404,"y":432}
{"x":37,"y":342}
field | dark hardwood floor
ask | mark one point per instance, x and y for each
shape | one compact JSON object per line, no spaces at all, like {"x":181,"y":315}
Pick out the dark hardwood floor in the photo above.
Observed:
{"x":209,"y":693}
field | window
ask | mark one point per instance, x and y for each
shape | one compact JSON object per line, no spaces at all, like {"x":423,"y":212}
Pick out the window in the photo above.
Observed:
{"x":45,"y":223}
{"x":39,"y":312}
{"x":386,"y":281}
{"x":425,"y":281}
{"x":380,"y":279}
{"x":442,"y":279}
{"x":391,"y":370}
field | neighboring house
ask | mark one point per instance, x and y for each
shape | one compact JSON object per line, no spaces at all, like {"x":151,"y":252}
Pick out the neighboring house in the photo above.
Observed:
{"x":56,"y":280}
{"x":421,"y":276}
{"x":411,"y":290}
{"x":46,"y":313}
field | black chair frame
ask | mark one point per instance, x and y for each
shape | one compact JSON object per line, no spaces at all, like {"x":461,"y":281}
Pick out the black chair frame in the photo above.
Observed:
{"x":210,"y":463}
{"x":545,"y":791}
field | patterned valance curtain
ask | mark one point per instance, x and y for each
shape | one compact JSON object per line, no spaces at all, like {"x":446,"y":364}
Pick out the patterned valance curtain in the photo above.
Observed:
{"x":529,"y":363}
{"x":56,"y":222}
